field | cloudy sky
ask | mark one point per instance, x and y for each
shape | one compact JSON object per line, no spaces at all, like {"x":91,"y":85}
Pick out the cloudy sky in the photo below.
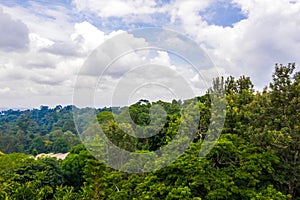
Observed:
{"x":45,"y":44}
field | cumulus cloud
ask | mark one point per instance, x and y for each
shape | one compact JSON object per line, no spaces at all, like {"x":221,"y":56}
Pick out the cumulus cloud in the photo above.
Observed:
{"x":45,"y":73}
{"x":4,"y":90}
{"x":127,"y":69}
{"x":112,"y":51}
{"x":63,"y":49}
{"x":163,"y":58}
{"x":88,"y":35}
{"x":117,"y":8}
{"x":268,"y":34}
{"x":59,"y":39}
{"x":13,"y":33}
{"x":48,"y":21}
{"x":128,"y":14}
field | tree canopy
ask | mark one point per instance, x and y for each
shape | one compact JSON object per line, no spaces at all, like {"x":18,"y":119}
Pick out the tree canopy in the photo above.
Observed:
{"x":256,"y":156}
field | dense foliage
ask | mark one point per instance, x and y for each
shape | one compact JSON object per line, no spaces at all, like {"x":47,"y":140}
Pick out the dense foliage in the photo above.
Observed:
{"x":256,"y":156}
{"x":41,"y":130}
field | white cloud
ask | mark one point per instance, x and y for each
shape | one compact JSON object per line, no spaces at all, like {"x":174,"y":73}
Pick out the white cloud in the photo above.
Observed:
{"x":111,"y":50}
{"x":37,"y":42}
{"x":4,"y":90}
{"x":149,"y":81}
{"x":187,"y":11}
{"x":88,"y":35}
{"x":51,"y":22}
{"x":58,"y":40}
{"x":268,"y":35}
{"x":13,"y":33}
{"x":44,"y":74}
{"x":117,"y":8}
{"x":162,"y":59}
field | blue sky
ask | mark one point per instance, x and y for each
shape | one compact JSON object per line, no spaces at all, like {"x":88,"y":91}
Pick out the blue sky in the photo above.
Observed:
{"x":223,"y":13}
{"x":49,"y":41}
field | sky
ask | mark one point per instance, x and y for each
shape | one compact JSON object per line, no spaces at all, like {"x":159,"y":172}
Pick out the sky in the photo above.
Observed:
{"x":46,"y":45}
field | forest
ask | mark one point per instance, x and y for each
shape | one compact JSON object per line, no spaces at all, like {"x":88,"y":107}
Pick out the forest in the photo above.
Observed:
{"x":255,"y":157}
